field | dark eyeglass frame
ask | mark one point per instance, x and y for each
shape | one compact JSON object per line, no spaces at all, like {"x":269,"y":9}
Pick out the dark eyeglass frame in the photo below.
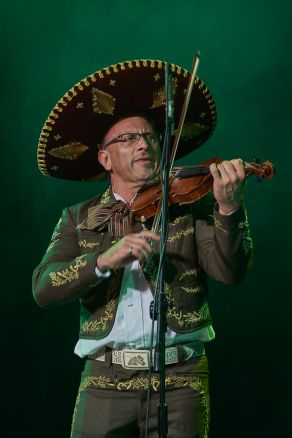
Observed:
{"x":149,"y":137}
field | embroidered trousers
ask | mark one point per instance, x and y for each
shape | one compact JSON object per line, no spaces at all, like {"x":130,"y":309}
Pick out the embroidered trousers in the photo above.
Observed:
{"x":111,"y":401}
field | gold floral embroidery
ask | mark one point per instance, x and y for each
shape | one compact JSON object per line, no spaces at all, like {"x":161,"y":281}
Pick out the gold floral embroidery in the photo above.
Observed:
{"x":189,"y":273}
{"x":55,"y":236}
{"x":191,"y":290}
{"x":185,"y":318}
{"x":177,"y":220}
{"x":166,"y":285}
{"x":180,"y":317}
{"x":69,"y":151}
{"x":243,"y":224}
{"x":192,"y":129}
{"x":56,"y":230}
{"x":60,"y":278}
{"x":138,"y":383}
{"x":205,"y":402}
{"x":98,"y":381}
{"x":247,"y":242}
{"x":85,"y":244}
{"x":218,"y":224}
{"x":102,"y":103}
{"x":158,"y":98}
{"x":100,"y":326}
{"x":159,"y":95}
{"x":180,"y":234}
{"x":52,"y":244}
{"x":105,"y":197}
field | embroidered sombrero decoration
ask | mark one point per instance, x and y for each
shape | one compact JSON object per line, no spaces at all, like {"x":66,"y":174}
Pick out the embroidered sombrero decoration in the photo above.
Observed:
{"x":70,"y":138}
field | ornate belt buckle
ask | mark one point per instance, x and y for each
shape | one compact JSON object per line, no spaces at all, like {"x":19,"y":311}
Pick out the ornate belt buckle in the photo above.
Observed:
{"x":171,"y":355}
{"x":135,"y":359}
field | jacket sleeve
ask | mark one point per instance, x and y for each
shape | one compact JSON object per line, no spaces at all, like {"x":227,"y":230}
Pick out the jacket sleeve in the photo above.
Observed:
{"x":64,"y":274}
{"x":224,"y":242}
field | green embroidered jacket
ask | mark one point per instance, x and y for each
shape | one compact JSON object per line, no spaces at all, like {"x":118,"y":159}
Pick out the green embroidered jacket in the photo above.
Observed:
{"x":200,"y":242}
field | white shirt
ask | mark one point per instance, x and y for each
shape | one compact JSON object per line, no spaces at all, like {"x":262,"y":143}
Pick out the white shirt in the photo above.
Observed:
{"x":133,"y":323}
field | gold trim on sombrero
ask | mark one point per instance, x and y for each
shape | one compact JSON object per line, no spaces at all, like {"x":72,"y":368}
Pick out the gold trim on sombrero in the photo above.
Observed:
{"x":104,"y":101}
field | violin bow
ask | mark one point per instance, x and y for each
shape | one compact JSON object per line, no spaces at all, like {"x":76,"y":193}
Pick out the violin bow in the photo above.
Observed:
{"x":195,"y":66}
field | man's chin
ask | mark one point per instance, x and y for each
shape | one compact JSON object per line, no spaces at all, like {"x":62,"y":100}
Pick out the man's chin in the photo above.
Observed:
{"x":146,"y":175}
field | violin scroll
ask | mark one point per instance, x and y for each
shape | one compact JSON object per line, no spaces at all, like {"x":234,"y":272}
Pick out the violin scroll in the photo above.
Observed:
{"x":264,"y":170}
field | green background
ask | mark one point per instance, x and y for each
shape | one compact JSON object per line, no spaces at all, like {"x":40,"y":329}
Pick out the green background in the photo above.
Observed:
{"x":48,"y":46}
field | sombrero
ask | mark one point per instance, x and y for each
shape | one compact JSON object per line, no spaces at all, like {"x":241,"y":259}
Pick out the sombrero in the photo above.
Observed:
{"x":73,"y":131}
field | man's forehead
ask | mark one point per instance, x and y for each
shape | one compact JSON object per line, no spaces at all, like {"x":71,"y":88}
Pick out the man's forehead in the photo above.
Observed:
{"x":131,"y":124}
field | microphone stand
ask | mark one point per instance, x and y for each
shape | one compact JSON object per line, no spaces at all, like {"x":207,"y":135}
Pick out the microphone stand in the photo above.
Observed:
{"x":160,"y":306}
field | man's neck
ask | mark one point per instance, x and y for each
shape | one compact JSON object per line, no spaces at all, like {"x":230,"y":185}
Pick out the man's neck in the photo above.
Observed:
{"x":126,"y":192}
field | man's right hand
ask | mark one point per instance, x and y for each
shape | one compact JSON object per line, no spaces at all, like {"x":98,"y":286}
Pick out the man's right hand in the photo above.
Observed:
{"x":132,"y":247}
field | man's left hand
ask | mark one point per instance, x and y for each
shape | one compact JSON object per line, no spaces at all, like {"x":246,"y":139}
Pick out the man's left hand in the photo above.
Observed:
{"x":229,"y":181}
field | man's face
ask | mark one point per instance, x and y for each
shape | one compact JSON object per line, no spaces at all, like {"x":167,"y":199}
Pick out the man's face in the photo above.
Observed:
{"x":129,"y":162}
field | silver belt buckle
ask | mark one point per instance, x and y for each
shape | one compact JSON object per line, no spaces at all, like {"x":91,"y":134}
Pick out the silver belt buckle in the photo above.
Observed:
{"x":171,"y":355}
{"x":135,"y":359}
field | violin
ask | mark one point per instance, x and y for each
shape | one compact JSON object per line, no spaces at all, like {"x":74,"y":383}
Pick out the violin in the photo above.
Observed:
{"x":187,"y":184}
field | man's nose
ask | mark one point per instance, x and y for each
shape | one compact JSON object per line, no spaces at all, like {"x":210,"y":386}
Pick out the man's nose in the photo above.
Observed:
{"x":143,"y":144}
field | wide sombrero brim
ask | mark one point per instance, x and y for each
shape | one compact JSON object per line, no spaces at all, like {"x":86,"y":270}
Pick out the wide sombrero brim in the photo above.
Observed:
{"x":70,"y":138}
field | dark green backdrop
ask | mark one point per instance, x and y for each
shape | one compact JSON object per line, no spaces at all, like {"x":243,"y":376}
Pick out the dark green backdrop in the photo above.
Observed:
{"x":47,"y":46}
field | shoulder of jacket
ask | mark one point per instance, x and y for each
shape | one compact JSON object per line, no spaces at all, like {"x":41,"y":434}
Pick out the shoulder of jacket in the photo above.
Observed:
{"x":79,"y":211}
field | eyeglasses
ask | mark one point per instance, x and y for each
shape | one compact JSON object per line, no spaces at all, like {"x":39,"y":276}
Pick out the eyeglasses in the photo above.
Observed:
{"x":132,"y":138}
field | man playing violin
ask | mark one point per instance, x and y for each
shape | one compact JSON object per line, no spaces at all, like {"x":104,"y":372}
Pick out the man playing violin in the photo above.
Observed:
{"x":99,"y":248}
{"x":131,"y":154}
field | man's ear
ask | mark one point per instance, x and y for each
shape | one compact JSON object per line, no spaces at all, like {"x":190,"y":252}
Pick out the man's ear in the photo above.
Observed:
{"x":105,"y":159}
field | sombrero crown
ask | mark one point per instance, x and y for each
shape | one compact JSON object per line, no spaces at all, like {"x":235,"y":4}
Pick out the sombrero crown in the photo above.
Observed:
{"x":75,"y":128}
